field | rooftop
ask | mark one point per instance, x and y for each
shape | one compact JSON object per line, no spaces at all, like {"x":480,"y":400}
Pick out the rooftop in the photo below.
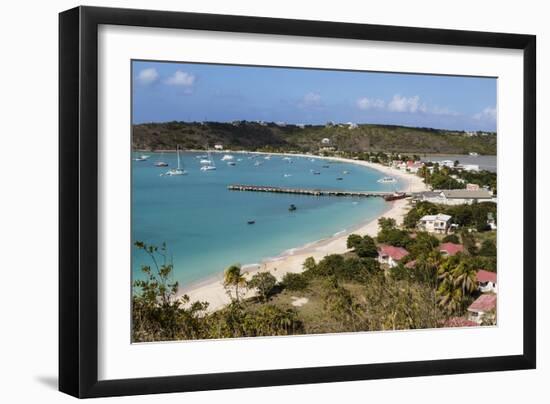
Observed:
{"x":486,"y":276}
{"x":451,"y":248}
{"x":439,"y":216}
{"x":484,"y":303}
{"x":396,"y":253}
{"x":464,"y":193}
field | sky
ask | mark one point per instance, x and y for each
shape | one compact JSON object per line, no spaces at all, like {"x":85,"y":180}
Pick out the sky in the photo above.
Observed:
{"x":165,"y":91}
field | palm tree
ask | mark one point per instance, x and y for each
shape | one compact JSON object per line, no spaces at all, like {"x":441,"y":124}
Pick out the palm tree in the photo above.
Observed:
{"x":457,"y":278}
{"x":233,"y":277}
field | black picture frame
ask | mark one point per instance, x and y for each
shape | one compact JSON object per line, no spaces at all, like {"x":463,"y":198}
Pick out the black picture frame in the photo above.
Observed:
{"x":78,"y":201}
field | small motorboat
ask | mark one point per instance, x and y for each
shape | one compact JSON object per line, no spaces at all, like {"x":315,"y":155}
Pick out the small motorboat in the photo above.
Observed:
{"x":258,"y":163}
{"x":287,"y":175}
{"x":339,"y":179}
{"x":316,"y":172}
{"x":143,"y":157}
{"x":161,"y":164}
{"x":345,"y":172}
{"x":326,"y":166}
{"x":292,"y":208}
{"x":227,"y":157}
{"x":231,"y":163}
{"x":251,"y":222}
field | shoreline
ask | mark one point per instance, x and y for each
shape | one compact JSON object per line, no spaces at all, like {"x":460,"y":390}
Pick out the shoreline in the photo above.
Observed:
{"x":211,"y":290}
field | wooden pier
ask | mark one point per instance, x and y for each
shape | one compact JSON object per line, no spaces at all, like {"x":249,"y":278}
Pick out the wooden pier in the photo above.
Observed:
{"x":305,"y":191}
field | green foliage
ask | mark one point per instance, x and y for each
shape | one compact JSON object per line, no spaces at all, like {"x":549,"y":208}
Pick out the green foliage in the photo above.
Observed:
{"x":419,"y":210}
{"x":393,"y":236}
{"x":234,"y":279}
{"x":354,"y":240}
{"x":488,"y":249}
{"x":469,"y":242}
{"x":457,"y":284}
{"x":272,"y":138}
{"x":423,"y":243}
{"x":264,"y":283}
{"x":157,"y":315}
{"x":474,"y":215}
{"x":451,"y":238}
{"x":295,"y":282}
{"x":364,"y":247}
{"x":386,"y":223}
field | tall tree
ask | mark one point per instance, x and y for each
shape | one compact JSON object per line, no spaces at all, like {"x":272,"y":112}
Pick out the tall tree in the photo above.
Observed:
{"x":234,"y":278}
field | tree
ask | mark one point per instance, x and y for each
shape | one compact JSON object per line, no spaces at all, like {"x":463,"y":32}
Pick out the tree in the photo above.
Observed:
{"x":354,"y":240}
{"x":451,"y":238}
{"x":233,"y":278}
{"x":488,"y":249}
{"x":367,"y":248}
{"x":386,"y":223}
{"x":309,"y":264}
{"x":423,"y":243}
{"x":458,"y":281}
{"x":157,"y":314}
{"x":263,"y":282}
{"x":295,"y":282}
{"x":469,"y":242}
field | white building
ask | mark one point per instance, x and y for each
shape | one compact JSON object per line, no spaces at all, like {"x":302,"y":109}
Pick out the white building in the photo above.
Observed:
{"x":456,"y":196}
{"x":325,"y":140}
{"x":218,"y":146}
{"x":483,"y":307}
{"x":486,"y":281}
{"x":352,"y":125}
{"x":439,"y":223}
{"x":301,"y":125}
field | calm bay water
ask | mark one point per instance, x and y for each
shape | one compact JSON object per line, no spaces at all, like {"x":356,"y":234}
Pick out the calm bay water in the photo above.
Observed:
{"x":205,"y":225}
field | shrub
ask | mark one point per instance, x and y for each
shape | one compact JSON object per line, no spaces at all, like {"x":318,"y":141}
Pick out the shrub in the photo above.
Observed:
{"x":451,"y":238}
{"x":295,"y":282}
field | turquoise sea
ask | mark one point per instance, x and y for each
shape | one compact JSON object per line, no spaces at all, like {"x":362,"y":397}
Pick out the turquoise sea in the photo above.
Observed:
{"x":205,"y":225}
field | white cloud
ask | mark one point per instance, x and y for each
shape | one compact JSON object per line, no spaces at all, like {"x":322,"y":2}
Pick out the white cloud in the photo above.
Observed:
{"x":148,"y":76}
{"x":488,"y":114}
{"x":404,"y":104}
{"x":311,"y":99}
{"x":181,"y":78}
{"x":370,"y":103}
{"x":443,"y":111}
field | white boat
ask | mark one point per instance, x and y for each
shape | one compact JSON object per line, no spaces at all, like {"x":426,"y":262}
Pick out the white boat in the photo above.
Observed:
{"x":231,"y":163}
{"x":474,"y":154}
{"x":287,"y":175}
{"x":143,"y":157}
{"x":258,"y":163}
{"x":386,"y":180}
{"x":201,"y":156}
{"x":179,"y":170}
{"x":160,"y":162}
{"x":287,"y":158}
{"x":206,"y":161}
{"x":267,"y":157}
{"x":209,"y":165}
{"x":227,"y":157}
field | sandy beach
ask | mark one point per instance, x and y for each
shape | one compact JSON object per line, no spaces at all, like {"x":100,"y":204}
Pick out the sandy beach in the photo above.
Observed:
{"x":212,"y":291}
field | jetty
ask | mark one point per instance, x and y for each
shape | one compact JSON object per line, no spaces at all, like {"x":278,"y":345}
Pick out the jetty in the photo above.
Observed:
{"x":306,"y":191}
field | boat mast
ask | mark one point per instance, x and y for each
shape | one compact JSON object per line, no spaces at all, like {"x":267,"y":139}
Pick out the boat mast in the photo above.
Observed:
{"x":178,"y":153}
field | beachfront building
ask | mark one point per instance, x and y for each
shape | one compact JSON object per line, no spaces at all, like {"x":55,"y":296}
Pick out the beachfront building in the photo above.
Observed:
{"x":352,"y":125}
{"x":218,"y":146}
{"x":450,"y":249}
{"x":390,"y":255}
{"x":439,"y":223}
{"x":469,"y":167}
{"x":482,"y":308}
{"x":472,"y":187}
{"x":456,"y":196}
{"x":325,"y":140}
{"x":486,"y":281}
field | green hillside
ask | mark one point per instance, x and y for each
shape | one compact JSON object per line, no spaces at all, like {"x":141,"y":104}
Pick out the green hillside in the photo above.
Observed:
{"x":271,"y":137}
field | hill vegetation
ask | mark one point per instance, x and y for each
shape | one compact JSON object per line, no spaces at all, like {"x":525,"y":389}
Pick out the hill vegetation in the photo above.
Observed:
{"x":275,"y":138}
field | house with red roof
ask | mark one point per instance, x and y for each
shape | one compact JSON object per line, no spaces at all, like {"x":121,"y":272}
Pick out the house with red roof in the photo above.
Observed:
{"x":482,"y":307}
{"x":449,"y":249}
{"x":391,"y":255}
{"x":486,"y":281}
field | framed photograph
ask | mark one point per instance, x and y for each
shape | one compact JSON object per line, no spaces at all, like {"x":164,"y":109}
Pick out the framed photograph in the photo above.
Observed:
{"x":251,"y":201}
